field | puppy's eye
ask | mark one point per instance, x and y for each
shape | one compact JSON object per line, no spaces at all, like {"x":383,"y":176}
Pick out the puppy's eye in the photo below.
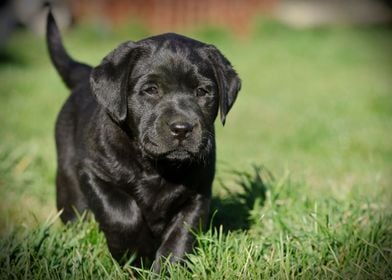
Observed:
{"x":151,"y":90}
{"x":201,"y":92}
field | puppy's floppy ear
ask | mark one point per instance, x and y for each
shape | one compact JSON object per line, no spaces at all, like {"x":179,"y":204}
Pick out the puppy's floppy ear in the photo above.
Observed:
{"x":109,"y":80}
{"x":229,"y":84}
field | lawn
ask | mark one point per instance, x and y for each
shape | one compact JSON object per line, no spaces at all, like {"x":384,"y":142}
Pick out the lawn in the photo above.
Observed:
{"x":303,"y":186}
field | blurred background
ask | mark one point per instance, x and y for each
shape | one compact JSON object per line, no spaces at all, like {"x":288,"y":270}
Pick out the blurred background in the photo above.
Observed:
{"x":315,"y":103}
{"x":176,"y":15}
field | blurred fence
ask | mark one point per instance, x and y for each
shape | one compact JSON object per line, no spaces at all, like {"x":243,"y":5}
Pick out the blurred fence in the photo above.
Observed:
{"x":166,"y":15}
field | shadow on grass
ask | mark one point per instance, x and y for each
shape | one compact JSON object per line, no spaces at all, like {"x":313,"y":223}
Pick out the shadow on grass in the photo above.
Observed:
{"x":234,"y":209}
{"x":7,"y":58}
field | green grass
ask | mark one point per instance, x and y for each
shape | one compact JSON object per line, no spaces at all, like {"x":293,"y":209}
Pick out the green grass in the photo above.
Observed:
{"x":315,"y":111}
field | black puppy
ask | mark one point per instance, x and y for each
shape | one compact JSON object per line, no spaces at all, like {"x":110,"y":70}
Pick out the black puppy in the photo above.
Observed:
{"x":135,"y":140}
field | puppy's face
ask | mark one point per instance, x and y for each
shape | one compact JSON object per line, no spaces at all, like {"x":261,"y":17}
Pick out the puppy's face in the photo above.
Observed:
{"x":173,"y":102}
{"x":168,"y":92}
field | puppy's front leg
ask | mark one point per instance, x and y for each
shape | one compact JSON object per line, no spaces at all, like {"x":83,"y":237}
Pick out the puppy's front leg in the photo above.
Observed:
{"x":119,"y":217}
{"x":178,"y":238}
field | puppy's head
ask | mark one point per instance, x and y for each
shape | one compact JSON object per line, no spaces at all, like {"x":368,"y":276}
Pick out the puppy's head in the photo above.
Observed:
{"x":167,"y":89}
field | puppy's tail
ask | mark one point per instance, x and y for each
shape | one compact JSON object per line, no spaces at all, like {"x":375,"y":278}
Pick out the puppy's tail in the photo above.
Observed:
{"x":71,"y":71}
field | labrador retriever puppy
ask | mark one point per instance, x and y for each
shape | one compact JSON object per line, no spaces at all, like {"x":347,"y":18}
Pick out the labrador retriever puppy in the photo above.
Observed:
{"x":135,"y":141}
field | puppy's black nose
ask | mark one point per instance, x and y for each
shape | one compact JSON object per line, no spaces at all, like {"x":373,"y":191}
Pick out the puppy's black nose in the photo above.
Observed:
{"x":181,"y":130}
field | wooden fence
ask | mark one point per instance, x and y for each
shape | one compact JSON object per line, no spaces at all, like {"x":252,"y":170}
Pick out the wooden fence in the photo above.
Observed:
{"x":173,"y":15}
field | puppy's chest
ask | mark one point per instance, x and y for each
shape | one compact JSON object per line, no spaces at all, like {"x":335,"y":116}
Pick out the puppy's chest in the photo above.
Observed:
{"x":160,"y":201}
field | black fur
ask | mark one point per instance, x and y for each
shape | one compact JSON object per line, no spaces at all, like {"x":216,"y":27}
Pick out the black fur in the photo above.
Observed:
{"x":135,"y":140}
